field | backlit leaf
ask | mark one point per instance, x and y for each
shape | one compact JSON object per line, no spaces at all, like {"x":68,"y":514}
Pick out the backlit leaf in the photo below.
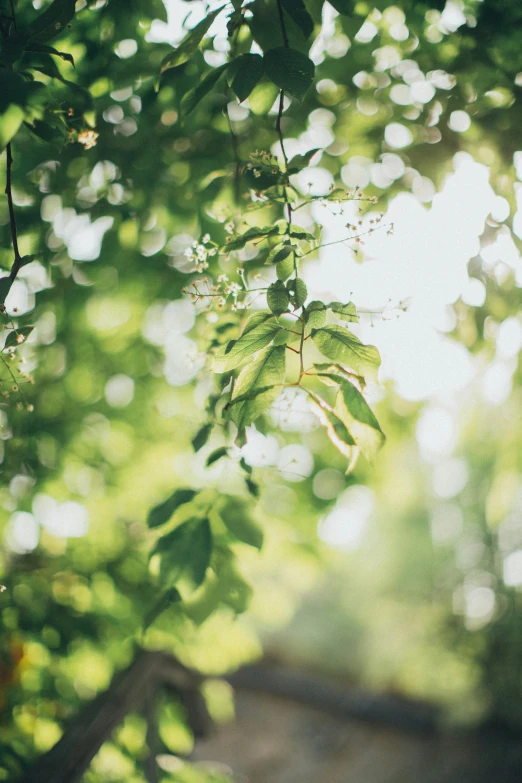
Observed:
{"x":278,"y":298}
{"x":335,"y":429}
{"x":237,"y":243}
{"x":285,"y":268}
{"x":201,"y":437}
{"x":265,"y":375}
{"x":227,"y":358}
{"x":185,"y":553}
{"x":299,"y":162}
{"x":298,"y":292}
{"x":315,"y":314}
{"x":279,"y":254}
{"x":216,"y":455}
{"x":163,"y":511}
{"x":347,"y":312}
{"x":189,"y":45}
{"x":238,"y":520}
{"x":358,"y":418}
{"x":340,"y":345}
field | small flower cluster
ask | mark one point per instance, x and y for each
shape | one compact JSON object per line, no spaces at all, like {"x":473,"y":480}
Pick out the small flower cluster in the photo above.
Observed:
{"x":261,"y":161}
{"x":217,"y":293}
{"x":200,"y":252}
{"x":88,"y":138}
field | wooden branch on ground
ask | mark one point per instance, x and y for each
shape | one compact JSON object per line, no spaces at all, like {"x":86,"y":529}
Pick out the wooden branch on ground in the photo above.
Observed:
{"x":350,"y":703}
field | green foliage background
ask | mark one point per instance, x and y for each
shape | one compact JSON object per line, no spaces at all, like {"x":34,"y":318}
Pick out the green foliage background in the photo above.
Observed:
{"x":73,"y":610}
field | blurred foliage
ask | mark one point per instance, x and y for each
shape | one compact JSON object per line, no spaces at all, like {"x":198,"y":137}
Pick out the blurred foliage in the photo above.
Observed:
{"x":113,"y":181}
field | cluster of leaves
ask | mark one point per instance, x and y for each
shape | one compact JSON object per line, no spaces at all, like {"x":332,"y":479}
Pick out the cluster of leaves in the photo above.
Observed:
{"x":194,"y":551}
{"x":252,"y":367}
{"x":26,"y":57}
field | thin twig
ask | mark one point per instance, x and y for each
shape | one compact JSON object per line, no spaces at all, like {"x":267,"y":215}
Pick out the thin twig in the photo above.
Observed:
{"x":352,"y":238}
{"x":12,"y":218}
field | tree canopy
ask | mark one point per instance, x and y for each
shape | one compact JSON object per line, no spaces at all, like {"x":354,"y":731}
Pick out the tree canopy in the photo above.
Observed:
{"x":215,"y":217}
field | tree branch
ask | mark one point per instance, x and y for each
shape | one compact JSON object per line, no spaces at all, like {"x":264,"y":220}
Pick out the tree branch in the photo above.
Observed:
{"x":69,"y":759}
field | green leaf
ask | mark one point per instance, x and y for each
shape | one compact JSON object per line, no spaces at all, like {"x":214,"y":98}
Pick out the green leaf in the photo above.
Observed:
{"x":185,"y":553}
{"x":168,"y":599}
{"x":18,"y":336}
{"x":315,"y":314}
{"x":335,"y":428}
{"x":285,"y":268}
{"x":42,"y":48}
{"x":347,"y":312}
{"x":189,"y":45}
{"x":5,"y":287}
{"x":191,"y":99}
{"x":244,"y":73}
{"x":52,"y":22}
{"x":215,"y":455}
{"x":279,"y":253}
{"x":297,"y":10}
{"x":252,"y":487}
{"x":340,"y":345}
{"x":163,"y":511}
{"x":277,"y":298}
{"x":230,"y":356}
{"x":291,"y":70}
{"x":45,"y":64}
{"x":256,"y":320}
{"x":266,"y":30}
{"x":263,"y":378}
{"x":353,"y":410}
{"x":201,"y":437}
{"x":298,"y":292}
{"x":238,"y":521}
{"x":262,"y":97}
{"x":245,"y":466}
{"x":300,"y":162}
{"x":302,"y":234}
{"x":239,"y":242}
{"x":330,"y":370}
